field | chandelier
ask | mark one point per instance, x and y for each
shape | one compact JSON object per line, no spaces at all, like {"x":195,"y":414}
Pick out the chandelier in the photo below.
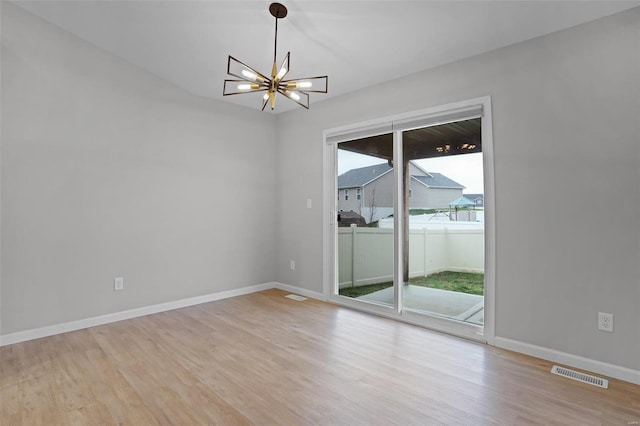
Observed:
{"x":253,"y":81}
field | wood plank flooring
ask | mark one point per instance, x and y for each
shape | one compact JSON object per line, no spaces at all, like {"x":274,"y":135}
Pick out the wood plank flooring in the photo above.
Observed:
{"x":265,"y":359}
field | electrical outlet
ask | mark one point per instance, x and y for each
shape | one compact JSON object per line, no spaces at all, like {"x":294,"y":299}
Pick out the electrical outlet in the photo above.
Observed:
{"x":292,"y":265}
{"x":118,"y":283}
{"x":605,"y":322}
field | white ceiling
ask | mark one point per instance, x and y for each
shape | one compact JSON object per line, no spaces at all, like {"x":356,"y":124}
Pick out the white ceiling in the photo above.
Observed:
{"x":356,"y":43}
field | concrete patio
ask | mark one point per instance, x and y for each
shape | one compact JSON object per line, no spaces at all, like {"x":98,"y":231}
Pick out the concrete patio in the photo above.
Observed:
{"x":450,"y":304}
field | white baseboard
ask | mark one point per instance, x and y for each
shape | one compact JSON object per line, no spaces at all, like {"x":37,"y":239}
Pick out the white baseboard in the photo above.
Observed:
{"x":36,"y":333}
{"x":301,"y":291}
{"x":599,"y":367}
{"x":610,"y":370}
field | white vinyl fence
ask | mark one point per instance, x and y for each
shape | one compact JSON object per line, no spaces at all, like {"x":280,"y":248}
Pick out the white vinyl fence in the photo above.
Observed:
{"x":365,"y":255}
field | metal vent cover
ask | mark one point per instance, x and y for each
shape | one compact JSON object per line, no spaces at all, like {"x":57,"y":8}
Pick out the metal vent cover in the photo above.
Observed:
{"x":581,"y":377}
{"x":295,"y":297}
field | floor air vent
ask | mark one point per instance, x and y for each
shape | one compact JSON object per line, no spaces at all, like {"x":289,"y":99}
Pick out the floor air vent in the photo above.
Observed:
{"x":295,"y":297}
{"x":581,"y":377}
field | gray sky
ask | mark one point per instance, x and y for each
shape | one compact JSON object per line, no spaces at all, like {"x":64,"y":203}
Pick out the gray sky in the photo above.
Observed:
{"x":466,"y":169}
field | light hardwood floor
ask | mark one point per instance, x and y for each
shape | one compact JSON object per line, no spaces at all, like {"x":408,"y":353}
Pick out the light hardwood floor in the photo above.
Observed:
{"x":266,"y":359}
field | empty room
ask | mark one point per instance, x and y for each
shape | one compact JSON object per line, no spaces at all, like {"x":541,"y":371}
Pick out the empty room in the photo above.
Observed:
{"x":320,"y":212}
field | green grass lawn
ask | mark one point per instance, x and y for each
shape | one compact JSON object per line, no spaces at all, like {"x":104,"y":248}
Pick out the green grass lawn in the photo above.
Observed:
{"x":463,"y":282}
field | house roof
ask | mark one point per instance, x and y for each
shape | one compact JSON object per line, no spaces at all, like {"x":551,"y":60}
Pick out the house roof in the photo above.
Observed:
{"x":356,"y":178}
{"x":473,"y":197}
{"x":438,"y":180}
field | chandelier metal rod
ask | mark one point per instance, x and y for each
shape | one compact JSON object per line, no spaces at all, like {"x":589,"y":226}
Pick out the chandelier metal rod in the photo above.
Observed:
{"x":275,"y":43}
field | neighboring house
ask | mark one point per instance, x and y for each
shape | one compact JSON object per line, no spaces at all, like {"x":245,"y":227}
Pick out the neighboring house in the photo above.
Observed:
{"x":478,"y":199}
{"x":369,"y":190}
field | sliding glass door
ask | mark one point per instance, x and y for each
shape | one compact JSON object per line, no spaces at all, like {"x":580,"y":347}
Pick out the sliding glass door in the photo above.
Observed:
{"x":443,"y":210}
{"x":409,"y":216}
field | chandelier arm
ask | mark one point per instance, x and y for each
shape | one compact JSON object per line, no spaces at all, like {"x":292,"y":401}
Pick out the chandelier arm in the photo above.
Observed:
{"x":285,"y":66}
{"x":233,"y":73}
{"x":230,"y":89}
{"x":284,"y":83}
{"x":299,"y":101}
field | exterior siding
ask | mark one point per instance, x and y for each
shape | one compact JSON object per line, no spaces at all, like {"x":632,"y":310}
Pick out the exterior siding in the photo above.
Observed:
{"x":379,"y":192}
{"x":432,"y":198}
{"x":352,"y":204}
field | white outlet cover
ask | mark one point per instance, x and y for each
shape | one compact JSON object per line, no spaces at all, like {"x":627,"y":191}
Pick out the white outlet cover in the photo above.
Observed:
{"x":605,"y":322}
{"x":118,"y":283}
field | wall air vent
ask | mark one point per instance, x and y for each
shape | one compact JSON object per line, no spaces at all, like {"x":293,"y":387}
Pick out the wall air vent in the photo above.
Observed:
{"x":581,"y":377}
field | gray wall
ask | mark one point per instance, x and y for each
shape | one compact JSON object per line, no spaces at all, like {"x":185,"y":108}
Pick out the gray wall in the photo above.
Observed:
{"x":109,"y":171}
{"x":566,"y":133}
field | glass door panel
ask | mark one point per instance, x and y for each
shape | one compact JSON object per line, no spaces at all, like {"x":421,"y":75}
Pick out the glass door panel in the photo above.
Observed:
{"x":365,"y":232}
{"x":444,"y":228}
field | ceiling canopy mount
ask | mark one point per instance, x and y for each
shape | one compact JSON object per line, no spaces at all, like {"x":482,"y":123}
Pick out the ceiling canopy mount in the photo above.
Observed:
{"x":278,"y":10}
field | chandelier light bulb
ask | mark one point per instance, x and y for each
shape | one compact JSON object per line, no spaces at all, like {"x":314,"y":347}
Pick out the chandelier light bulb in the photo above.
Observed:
{"x":282,"y":72}
{"x":247,"y":86}
{"x":304,"y":84}
{"x":294,"y":95}
{"x":250,"y":75}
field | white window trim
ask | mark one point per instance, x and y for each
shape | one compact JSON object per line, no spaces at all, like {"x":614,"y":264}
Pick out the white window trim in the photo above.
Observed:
{"x":471,"y":108}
